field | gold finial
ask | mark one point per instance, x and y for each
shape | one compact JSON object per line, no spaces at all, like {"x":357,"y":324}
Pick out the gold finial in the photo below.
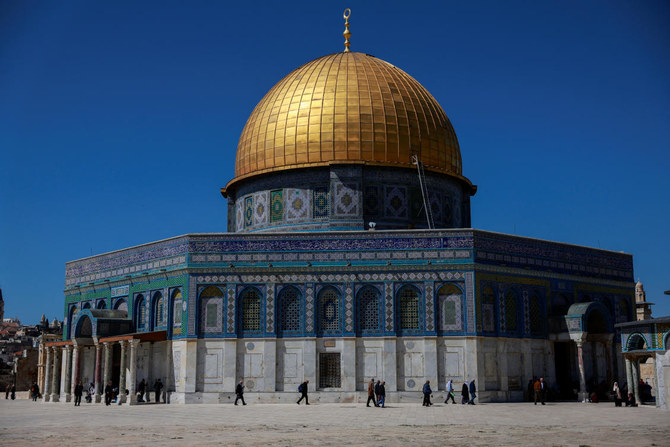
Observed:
{"x":347,"y":33}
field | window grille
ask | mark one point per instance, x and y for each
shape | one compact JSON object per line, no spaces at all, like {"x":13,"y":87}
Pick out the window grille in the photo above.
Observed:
{"x":368,"y":309}
{"x":510,"y":311}
{"x":290,"y":310}
{"x":409,"y":309}
{"x":329,"y":370}
{"x":329,"y":310}
{"x":449,"y":299}
{"x":488,"y":310}
{"x":210,"y":315}
{"x":535,"y":314}
{"x":141,"y":317}
{"x":251,"y":311}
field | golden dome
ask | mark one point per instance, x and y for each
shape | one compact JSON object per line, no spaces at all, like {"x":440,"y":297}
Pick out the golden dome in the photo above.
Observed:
{"x":347,"y":108}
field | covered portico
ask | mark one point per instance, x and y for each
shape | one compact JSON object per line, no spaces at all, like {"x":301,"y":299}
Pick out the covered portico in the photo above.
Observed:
{"x":102,"y":350}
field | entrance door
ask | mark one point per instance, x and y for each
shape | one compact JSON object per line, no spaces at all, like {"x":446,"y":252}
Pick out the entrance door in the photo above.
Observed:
{"x":563,"y":357}
{"x":329,"y":370}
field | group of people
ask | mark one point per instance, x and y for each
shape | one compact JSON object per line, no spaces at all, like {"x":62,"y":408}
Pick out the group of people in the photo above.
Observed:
{"x":376,"y":393}
{"x":144,"y":392}
{"x":468,"y":393}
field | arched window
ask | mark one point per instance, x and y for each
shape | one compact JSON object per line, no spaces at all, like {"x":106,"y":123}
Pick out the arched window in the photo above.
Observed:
{"x":101,"y":305}
{"x":211,"y":310}
{"x":488,"y":310}
{"x":367,"y":315}
{"x":71,"y":319}
{"x":561,"y":304}
{"x":449,"y":301}
{"x":329,"y":310}
{"x":535,"y":314}
{"x":510,"y":311}
{"x":159,"y":310}
{"x":290,"y":317}
{"x":251,"y":311}
{"x":121,"y":305}
{"x":408,"y":309}
{"x":176,"y":308}
{"x":140,"y":312}
{"x":86,"y":306}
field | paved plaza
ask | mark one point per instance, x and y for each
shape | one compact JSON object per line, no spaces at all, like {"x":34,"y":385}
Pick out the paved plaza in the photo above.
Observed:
{"x":24,"y":423}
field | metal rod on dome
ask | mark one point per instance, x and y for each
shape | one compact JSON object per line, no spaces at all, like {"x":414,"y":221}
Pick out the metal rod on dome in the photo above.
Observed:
{"x":347,"y":33}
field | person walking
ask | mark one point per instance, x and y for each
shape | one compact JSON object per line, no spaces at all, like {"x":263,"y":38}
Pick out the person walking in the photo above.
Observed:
{"x":78,"y":391}
{"x":109,"y":393}
{"x":8,"y":388}
{"x":302,"y":389}
{"x":382,"y":395}
{"x":239,"y":392}
{"x":617,"y":394}
{"x":13,"y":392}
{"x":158,"y":386}
{"x":473,"y":393}
{"x":377,"y":386}
{"x":538,"y":387}
{"x":35,"y":391}
{"x":465,"y":393}
{"x":426,"y":394}
{"x":450,"y":392}
{"x":371,"y":393}
{"x":141,"y":388}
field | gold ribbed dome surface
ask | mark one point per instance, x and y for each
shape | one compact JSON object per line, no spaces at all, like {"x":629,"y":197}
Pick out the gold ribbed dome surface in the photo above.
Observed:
{"x":347,"y":108}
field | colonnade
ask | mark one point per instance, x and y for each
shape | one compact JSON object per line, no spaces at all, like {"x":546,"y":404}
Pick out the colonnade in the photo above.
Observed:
{"x":63,"y":365}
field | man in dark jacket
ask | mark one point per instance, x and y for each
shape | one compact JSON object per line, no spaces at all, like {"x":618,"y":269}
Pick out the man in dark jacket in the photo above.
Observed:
{"x":239,"y":393}
{"x":109,"y":393}
{"x":78,"y":391}
{"x":382,"y":394}
{"x":473,"y":392}
{"x":303,"y":392}
{"x":141,"y":388}
{"x":35,"y":391}
{"x":371,"y":393}
{"x":465,"y":394}
{"x":426,"y":394}
{"x":158,"y":386}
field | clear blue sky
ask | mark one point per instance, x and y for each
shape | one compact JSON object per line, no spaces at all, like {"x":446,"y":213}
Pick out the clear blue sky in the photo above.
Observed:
{"x":119,"y":120}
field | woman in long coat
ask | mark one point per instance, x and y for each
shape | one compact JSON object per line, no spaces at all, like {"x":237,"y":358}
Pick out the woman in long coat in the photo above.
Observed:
{"x":465,"y":393}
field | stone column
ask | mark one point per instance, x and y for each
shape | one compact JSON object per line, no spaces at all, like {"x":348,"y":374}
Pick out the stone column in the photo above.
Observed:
{"x":55,"y":376}
{"x":98,"y":371}
{"x":608,"y":360}
{"x":107,"y":375}
{"x":635,"y":364}
{"x":269,"y":366}
{"x":348,"y":365}
{"x":122,"y":374}
{"x":582,"y":379}
{"x":46,"y":389}
{"x":629,"y":375}
{"x":76,"y":352}
{"x":67,"y":382}
{"x":389,"y":366}
{"x":132,"y":368}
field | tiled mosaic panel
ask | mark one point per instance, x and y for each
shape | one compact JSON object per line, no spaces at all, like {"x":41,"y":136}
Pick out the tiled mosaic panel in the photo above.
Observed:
{"x":270,"y":307}
{"x":526,"y":318}
{"x":329,"y":310}
{"x":395,"y":202}
{"x":260,"y":208}
{"x":321,"y":202}
{"x":192,"y":303}
{"x":346,"y":199}
{"x":309,"y":309}
{"x":248,"y":211}
{"x":230,"y":312}
{"x":371,"y":202}
{"x":388,"y":306}
{"x":211,"y":315}
{"x":348,"y":307}
{"x":430,"y":319}
{"x":297,"y":204}
{"x":416,"y":204}
{"x":470,"y":299}
{"x":435,"y":206}
{"x":277,"y":206}
{"x":239,"y":215}
{"x":448,"y":212}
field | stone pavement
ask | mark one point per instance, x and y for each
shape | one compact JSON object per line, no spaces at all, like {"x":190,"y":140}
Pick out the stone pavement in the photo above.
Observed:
{"x":25,"y":423}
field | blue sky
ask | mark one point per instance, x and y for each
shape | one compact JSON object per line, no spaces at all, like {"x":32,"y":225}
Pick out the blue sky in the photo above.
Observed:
{"x":119,"y":120}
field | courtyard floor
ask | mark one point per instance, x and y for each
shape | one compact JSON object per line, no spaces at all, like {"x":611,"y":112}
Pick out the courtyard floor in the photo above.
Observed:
{"x":26,"y":423}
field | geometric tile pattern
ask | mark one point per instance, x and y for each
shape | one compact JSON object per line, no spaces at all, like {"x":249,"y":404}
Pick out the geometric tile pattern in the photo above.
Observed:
{"x":429,"y":309}
{"x":526,"y":312}
{"x":248,"y":211}
{"x":395,"y":201}
{"x":470,"y":300}
{"x":230,"y":313}
{"x":371,"y":200}
{"x":239,"y":215}
{"x":297,"y":204}
{"x":435,"y":206}
{"x":348,"y":307}
{"x":276,"y":206}
{"x":260,"y":208}
{"x":269,"y":307}
{"x":346,"y":199}
{"x":388,"y":304}
{"x":321,"y":202}
{"x":448,"y":215}
{"x":309,"y":308}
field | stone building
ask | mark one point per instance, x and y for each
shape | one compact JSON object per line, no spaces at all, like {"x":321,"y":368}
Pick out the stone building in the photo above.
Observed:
{"x":349,"y":256}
